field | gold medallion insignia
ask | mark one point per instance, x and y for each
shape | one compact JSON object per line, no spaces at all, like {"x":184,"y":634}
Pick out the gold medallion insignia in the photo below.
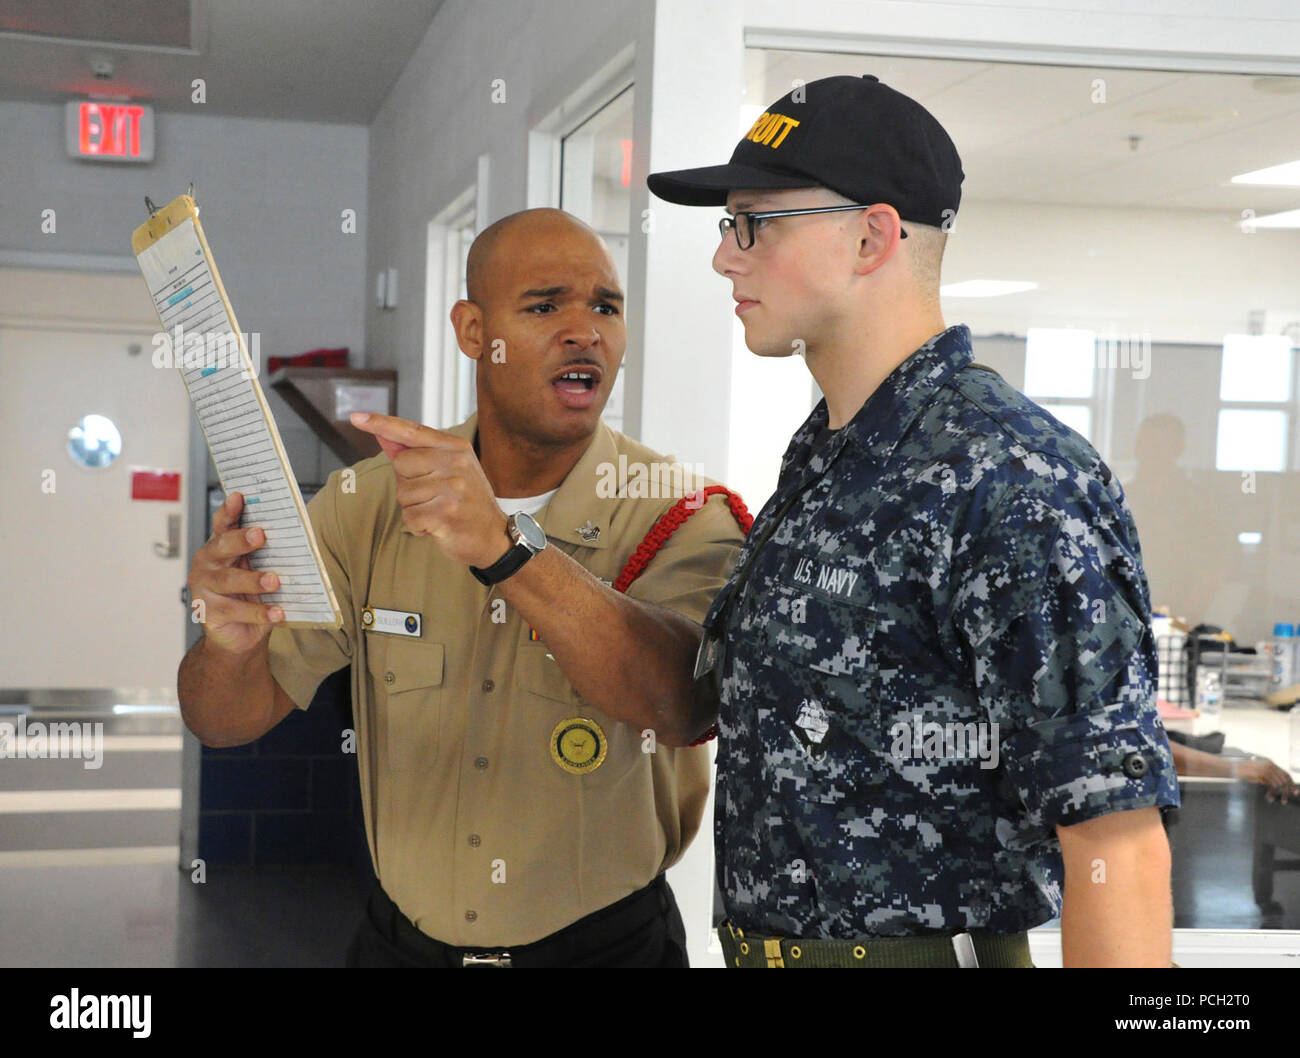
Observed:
{"x":578,"y":745}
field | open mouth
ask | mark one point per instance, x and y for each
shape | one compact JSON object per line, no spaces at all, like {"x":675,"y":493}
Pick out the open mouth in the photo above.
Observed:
{"x":577,"y":386}
{"x":580,"y":380}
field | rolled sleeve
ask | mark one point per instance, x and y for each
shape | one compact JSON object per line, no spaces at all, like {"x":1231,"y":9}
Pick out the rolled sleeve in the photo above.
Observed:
{"x":300,"y":658}
{"x":1074,"y":768}
{"x":694,"y":564}
{"x":1052,"y":608}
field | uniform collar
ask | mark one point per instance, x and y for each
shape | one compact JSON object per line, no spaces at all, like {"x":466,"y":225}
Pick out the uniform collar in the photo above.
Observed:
{"x":886,"y":415}
{"x":578,"y":507}
{"x":881,"y":422}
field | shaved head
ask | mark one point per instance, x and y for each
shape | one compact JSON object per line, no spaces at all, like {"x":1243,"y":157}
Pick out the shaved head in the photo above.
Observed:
{"x":543,"y":319}
{"x":498,"y":237}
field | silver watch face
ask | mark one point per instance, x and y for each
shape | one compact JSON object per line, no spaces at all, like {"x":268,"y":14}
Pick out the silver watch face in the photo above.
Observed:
{"x":530,"y":532}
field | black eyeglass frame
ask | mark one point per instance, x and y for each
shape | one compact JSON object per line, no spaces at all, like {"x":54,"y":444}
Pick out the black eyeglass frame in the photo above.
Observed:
{"x":728,"y":223}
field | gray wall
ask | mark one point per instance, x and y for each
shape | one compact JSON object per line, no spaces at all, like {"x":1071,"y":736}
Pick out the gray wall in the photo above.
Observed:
{"x":270,"y":193}
{"x":440,"y":117}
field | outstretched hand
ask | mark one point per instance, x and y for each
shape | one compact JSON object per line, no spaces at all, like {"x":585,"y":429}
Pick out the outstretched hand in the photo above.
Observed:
{"x":441,"y":488}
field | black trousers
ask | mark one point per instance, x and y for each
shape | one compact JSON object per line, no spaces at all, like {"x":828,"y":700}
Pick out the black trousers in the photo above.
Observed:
{"x":643,"y":929}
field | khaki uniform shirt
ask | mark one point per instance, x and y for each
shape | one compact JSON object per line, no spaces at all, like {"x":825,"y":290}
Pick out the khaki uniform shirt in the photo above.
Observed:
{"x":475,"y":831}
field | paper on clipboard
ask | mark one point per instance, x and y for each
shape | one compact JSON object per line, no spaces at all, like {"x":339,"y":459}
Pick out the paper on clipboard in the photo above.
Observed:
{"x":214,"y":363}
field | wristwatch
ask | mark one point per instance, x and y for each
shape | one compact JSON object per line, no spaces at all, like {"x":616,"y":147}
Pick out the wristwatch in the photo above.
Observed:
{"x":529,"y":539}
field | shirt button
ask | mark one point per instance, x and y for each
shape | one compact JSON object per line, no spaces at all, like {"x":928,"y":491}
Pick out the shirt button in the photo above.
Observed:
{"x":488,"y":685}
{"x":480,"y":763}
{"x":475,"y":841}
{"x":470,"y":916}
{"x":1135,"y":765}
{"x":389,"y":677}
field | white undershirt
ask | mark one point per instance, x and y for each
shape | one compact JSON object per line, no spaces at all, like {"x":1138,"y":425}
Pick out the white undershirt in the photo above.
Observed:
{"x":527,"y":504}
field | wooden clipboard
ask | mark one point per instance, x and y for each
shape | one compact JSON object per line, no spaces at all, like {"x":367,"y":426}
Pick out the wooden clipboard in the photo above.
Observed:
{"x":219,"y":374}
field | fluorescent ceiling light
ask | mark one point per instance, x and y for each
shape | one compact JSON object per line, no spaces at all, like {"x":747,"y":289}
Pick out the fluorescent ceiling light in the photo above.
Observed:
{"x":1284,"y":175}
{"x":1287,"y":219}
{"x":985,"y":288}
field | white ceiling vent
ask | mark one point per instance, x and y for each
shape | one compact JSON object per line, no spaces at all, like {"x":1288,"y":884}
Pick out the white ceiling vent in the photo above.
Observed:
{"x":153,"y":24}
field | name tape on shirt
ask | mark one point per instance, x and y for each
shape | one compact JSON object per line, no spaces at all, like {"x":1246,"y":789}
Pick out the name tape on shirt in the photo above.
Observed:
{"x":827,"y":579}
{"x":396,"y":622}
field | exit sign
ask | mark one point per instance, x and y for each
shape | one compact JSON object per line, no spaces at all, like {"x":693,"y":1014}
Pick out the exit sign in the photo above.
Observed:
{"x":109,"y":132}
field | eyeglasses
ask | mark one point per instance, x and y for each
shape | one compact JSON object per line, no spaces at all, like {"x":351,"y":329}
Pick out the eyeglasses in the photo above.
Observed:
{"x":743,"y":224}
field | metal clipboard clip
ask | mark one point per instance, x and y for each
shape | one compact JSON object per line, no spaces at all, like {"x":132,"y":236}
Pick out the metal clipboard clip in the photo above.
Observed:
{"x":153,"y":210}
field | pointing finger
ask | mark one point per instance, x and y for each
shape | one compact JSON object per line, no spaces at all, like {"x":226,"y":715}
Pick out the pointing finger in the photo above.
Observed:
{"x":402,"y":432}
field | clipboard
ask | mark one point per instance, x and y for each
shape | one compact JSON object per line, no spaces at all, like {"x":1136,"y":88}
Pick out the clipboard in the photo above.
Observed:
{"x":240,"y":432}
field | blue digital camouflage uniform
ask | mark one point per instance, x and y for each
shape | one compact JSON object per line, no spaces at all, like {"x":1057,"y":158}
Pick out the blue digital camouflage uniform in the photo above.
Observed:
{"x":952,"y":556}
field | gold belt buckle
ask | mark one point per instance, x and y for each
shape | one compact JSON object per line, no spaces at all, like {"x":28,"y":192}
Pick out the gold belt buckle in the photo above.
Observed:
{"x":772,"y":949}
{"x":495,"y":958}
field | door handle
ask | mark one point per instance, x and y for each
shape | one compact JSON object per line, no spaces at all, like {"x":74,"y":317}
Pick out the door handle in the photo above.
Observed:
{"x":173,"y":546}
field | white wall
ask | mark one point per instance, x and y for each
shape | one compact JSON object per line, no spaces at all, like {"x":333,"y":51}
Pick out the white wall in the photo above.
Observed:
{"x":270,"y":193}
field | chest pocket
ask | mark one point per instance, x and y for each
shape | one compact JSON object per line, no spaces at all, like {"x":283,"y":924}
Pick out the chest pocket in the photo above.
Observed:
{"x":556,"y":700}
{"x":816,"y":624}
{"x":407,"y":675}
{"x":538,"y":674}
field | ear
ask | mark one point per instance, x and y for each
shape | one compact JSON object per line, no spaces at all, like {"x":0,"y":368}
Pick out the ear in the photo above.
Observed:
{"x":878,"y":237}
{"x":467,"y":319}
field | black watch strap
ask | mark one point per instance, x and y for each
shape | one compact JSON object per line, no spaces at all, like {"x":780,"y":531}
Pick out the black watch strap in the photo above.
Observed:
{"x":504,"y":566}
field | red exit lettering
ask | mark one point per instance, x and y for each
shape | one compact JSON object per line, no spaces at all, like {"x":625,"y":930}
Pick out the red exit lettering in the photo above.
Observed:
{"x":110,"y":129}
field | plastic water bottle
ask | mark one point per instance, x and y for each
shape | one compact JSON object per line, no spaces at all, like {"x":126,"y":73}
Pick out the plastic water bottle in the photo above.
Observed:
{"x":1295,"y":656}
{"x":1209,"y":692}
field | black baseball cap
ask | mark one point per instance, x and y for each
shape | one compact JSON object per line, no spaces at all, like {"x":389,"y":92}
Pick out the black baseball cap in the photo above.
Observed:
{"x":854,"y":135}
